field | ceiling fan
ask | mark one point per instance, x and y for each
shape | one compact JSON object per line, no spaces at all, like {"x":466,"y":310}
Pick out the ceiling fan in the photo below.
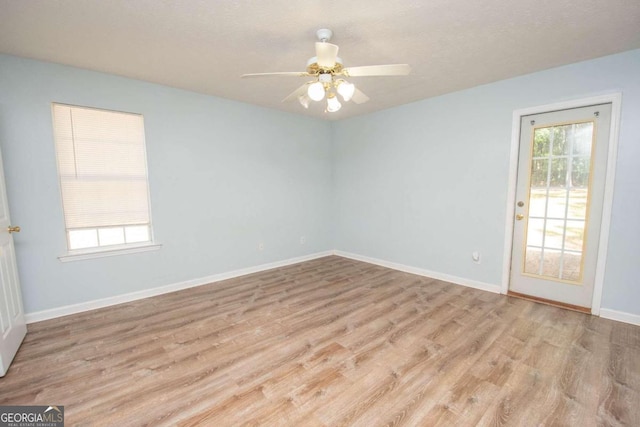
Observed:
{"x":328,"y":74}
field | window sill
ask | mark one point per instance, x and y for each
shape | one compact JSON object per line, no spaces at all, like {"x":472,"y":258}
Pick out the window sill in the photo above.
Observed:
{"x":115,"y":251}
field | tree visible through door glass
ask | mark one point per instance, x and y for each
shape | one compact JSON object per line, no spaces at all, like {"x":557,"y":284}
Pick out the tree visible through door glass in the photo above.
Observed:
{"x":558,"y":200}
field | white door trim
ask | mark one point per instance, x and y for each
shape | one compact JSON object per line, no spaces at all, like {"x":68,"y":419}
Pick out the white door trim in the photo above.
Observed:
{"x":616,"y":101}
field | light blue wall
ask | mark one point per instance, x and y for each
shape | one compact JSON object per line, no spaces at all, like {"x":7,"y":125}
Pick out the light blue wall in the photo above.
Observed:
{"x":422,"y":184}
{"x":223,"y":176}
{"x":425,"y":184}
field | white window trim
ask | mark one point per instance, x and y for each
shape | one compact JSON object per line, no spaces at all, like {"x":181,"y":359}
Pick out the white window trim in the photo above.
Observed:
{"x":108,"y":251}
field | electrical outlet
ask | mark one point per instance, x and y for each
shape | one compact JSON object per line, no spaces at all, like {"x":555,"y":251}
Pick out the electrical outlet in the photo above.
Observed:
{"x":475,"y":256}
{"x":261,"y":246}
{"x":303,"y":240}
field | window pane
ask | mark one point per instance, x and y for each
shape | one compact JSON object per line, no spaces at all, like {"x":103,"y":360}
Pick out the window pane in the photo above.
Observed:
{"x":537,"y":202}
{"x":558,"y":173}
{"x":137,"y":233}
{"x":80,"y":239}
{"x":561,"y":135}
{"x":556,"y":203}
{"x":571,"y":266}
{"x":575,"y":235}
{"x":534,"y":232}
{"x":578,"y":203}
{"x":583,"y":138}
{"x":111,"y":236}
{"x":553,"y":234}
{"x":551,"y":263}
{"x":580,"y":171}
{"x":541,"y":142}
{"x":539,"y":170}
{"x":532,"y":261}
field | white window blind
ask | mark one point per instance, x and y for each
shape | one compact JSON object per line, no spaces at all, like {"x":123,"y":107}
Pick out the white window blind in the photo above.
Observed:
{"x":103,"y":176}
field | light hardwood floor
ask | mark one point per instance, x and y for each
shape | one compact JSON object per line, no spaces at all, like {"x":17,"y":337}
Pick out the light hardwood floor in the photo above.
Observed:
{"x":331,"y":342}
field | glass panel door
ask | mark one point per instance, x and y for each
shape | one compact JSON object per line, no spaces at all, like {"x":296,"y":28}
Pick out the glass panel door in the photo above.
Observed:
{"x":562,"y":165}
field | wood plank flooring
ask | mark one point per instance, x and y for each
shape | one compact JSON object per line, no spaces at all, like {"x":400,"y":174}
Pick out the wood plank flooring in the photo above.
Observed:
{"x":331,"y":342}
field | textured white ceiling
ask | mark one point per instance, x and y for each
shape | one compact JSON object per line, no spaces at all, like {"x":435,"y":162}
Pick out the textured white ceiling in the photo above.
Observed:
{"x":205,"y":46}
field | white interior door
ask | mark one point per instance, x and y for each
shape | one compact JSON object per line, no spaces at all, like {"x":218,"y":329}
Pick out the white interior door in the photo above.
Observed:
{"x":559,"y":197}
{"x":12,"y":324}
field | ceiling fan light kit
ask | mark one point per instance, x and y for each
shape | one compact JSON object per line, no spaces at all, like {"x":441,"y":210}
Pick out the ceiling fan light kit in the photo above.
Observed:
{"x":326,"y":68}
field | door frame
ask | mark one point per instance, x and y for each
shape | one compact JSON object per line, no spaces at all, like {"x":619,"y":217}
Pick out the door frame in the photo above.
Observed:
{"x":615,"y":99}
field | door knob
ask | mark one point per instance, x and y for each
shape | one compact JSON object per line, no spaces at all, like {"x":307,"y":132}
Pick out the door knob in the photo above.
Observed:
{"x":519,"y":217}
{"x":13,"y":229}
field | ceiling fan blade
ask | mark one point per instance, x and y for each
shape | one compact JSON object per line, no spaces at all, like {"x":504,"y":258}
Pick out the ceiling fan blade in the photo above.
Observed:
{"x":326,"y":54}
{"x":296,"y":93}
{"x":283,"y":73}
{"x":378,"y":70}
{"x":359,"y":97}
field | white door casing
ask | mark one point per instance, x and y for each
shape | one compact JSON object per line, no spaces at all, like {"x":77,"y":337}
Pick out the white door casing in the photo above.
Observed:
{"x":12,"y":322}
{"x":611,"y":155}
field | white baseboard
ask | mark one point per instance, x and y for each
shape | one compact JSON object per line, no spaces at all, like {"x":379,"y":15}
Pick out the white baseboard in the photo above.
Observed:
{"x":620,"y":316}
{"x":38,"y":316}
{"x":119,"y":299}
{"x":422,"y":272}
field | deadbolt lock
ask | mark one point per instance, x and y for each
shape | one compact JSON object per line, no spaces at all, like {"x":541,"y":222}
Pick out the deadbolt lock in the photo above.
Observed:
{"x":520,"y":204}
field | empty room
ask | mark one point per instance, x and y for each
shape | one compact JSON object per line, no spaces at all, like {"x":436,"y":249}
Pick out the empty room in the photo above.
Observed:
{"x":227,"y":213}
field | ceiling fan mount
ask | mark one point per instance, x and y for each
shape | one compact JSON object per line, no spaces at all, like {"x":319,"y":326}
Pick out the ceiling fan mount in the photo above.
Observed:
{"x":327,"y":71}
{"x":324,"y":34}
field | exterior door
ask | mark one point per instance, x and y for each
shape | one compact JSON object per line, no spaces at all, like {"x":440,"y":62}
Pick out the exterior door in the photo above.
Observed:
{"x":12,"y":324}
{"x":559,"y":196}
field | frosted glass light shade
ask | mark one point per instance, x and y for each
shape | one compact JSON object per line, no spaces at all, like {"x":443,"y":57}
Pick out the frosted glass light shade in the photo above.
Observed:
{"x":304,"y":100}
{"x":346,"y":90}
{"x":316,"y":91}
{"x":333,"y":104}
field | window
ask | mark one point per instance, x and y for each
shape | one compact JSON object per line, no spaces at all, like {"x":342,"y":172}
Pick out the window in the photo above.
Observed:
{"x":103,"y":177}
